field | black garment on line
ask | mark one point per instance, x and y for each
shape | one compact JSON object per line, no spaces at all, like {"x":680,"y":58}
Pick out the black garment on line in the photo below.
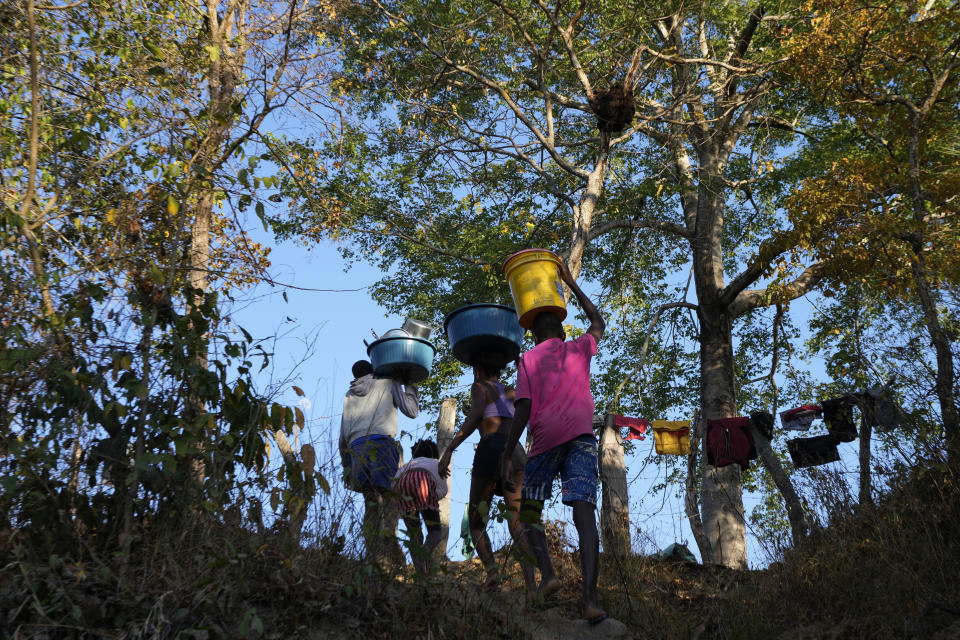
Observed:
{"x":838,"y":416}
{"x":810,"y":452}
{"x":763,"y":421}
{"x":879,"y":410}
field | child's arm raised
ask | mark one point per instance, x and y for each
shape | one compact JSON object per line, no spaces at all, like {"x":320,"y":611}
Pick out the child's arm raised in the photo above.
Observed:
{"x":597,"y":325}
{"x":478,"y":400}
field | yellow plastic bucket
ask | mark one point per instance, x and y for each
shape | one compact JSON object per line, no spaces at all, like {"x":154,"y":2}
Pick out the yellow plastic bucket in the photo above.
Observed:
{"x":534,"y":279}
{"x":671,"y":437}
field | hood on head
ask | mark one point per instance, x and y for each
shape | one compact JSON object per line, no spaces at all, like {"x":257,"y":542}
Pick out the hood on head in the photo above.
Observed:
{"x":361,"y":386}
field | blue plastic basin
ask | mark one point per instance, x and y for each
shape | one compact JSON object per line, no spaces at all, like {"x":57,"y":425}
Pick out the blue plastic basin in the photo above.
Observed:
{"x":484,"y":327}
{"x":402,"y":356}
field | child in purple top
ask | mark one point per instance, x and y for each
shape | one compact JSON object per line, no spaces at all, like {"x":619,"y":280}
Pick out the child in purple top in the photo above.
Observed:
{"x":553,"y":394}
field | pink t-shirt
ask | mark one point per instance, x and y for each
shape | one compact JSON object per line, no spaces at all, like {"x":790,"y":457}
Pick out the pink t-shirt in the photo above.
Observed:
{"x":555,"y":377}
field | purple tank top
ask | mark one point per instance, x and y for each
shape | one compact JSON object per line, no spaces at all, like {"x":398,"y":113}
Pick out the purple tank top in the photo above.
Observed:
{"x":501,"y":406}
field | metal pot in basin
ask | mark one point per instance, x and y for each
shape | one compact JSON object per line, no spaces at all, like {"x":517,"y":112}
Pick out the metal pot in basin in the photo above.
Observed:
{"x":417,"y":328}
{"x":403,"y":357}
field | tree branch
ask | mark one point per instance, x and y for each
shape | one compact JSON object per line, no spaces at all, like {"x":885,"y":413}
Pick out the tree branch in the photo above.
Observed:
{"x":614,"y":403}
{"x":657,"y":225}
{"x":801,"y":285}
{"x":499,"y":89}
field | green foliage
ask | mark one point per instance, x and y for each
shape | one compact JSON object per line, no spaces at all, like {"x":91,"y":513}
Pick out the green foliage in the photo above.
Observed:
{"x":124,"y":396}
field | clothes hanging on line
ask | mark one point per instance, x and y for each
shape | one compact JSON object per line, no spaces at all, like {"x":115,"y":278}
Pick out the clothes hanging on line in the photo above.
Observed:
{"x":879,"y":410}
{"x":838,"y":416}
{"x":763,"y":422}
{"x":636,"y":427}
{"x":810,"y":452}
{"x":671,"y":437}
{"x":800,"y":418}
{"x":729,"y":441}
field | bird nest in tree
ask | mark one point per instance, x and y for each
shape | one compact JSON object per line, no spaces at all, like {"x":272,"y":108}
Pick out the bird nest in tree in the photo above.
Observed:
{"x":614,"y":108}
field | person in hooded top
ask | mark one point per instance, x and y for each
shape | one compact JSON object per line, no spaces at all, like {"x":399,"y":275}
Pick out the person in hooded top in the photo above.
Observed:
{"x":370,"y":452}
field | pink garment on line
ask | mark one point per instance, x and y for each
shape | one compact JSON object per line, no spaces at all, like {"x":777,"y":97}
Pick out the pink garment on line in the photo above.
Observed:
{"x":555,"y":377}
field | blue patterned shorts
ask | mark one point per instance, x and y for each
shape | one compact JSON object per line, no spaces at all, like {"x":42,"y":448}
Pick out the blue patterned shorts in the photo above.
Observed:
{"x":576,"y":463}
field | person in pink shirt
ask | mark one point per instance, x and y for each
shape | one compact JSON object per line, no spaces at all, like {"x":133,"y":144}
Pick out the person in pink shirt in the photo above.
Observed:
{"x":553,"y":395}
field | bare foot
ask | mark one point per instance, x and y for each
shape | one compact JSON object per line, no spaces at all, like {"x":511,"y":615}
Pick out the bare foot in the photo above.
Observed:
{"x":592,"y":613}
{"x":491,"y":584}
{"x":549,"y":588}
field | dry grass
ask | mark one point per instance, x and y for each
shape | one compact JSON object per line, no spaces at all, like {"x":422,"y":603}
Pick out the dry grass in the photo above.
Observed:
{"x":887,"y":571}
{"x":882,"y":572}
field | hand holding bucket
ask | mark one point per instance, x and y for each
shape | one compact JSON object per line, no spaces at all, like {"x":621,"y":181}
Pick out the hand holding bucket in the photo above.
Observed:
{"x":535,"y":280}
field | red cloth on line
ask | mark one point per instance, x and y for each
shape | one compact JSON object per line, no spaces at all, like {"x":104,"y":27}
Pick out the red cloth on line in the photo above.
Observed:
{"x":637,"y":426}
{"x":729,"y":440}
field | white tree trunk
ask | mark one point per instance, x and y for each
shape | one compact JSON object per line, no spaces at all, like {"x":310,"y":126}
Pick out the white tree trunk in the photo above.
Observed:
{"x":446,"y":424}
{"x":615,"y":505}
{"x":723,"y":515}
{"x":721,"y":491}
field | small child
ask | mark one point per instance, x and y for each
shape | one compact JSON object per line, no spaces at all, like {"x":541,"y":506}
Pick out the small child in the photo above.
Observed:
{"x":420,"y":489}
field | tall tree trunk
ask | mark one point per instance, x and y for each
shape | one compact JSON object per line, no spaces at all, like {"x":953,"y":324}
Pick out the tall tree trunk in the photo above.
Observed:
{"x":721,"y":491}
{"x":222,"y":75}
{"x":945,"y":379}
{"x":446,"y":424}
{"x":692,"y":497}
{"x":615,"y":505}
{"x":866,"y":476}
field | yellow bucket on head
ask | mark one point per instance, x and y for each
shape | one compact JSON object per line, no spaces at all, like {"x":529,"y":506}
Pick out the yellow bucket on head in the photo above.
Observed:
{"x":534,"y":279}
{"x":671,"y":437}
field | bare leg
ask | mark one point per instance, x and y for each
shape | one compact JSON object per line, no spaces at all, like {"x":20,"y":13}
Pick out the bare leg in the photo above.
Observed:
{"x":415,"y":537}
{"x":585,"y":521}
{"x":481,"y":491}
{"x":537,"y":539}
{"x":372,"y":523}
{"x":390,"y":519}
{"x":523,"y":551}
{"x":431,"y":518}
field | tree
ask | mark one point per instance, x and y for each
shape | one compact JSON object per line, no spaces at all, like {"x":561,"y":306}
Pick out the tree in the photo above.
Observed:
{"x":117,"y":188}
{"x":891,"y":72}
{"x":599,"y":130}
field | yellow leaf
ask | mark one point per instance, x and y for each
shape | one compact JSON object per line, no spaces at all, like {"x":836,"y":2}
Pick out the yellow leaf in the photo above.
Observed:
{"x":173,"y":207}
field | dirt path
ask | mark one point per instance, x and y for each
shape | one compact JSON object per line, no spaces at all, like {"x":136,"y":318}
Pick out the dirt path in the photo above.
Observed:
{"x":557,"y":620}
